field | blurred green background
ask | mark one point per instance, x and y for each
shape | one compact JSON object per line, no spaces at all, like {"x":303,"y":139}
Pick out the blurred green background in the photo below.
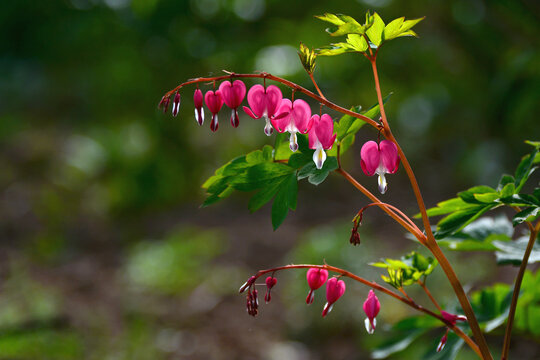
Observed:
{"x":105,"y":253}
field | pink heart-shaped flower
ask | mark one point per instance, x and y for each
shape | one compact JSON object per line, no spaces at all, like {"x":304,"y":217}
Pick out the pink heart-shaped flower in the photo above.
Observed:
{"x":233,"y":93}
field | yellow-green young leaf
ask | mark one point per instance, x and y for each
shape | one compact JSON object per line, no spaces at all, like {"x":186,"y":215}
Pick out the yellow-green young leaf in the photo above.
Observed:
{"x":408,"y":33}
{"x":375,"y":32}
{"x":335,"y":49}
{"x":307,"y":57}
{"x":486,"y":198}
{"x":391,"y":30}
{"x":408,"y":24}
{"x":357,"y":42}
{"x":331,"y":18}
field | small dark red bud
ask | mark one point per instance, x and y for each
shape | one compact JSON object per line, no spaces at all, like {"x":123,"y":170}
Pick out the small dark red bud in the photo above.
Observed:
{"x":164,"y":103}
{"x":442,"y":343}
{"x":355,"y":237}
{"x":247,"y":284}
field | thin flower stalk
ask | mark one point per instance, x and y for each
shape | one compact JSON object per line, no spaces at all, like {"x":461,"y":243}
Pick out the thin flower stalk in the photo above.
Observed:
{"x":375,"y":286}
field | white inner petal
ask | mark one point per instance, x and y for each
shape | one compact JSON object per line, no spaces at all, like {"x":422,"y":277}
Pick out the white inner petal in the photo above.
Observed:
{"x":319,"y":157}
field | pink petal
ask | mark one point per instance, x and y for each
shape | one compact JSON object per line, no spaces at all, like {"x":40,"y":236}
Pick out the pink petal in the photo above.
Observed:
{"x":372,"y":306}
{"x":250,"y":113}
{"x":256,"y":99}
{"x":198,"y":98}
{"x":301,"y":114}
{"x":282,"y":118}
{"x":316,"y":278}
{"x":370,"y":157}
{"x":213,"y":100}
{"x":273,"y":99}
{"x":312,"y":135}
{"x":334,"y":290}
{"x":325,"y":130}
{"x":389,"y":156}
{"x":233,"y":93}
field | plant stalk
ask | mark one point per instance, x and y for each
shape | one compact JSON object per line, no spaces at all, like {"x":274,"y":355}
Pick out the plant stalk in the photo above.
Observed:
{"x":431,"y":243}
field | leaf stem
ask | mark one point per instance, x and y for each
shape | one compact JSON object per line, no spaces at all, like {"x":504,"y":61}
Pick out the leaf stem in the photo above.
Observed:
{"x":380,"y":288}
{"x":423,"y":285}
{"x":287,"y":83}
{"x":517,"y":286}
{"x":316,"y":86}
{"x":430,"y":243}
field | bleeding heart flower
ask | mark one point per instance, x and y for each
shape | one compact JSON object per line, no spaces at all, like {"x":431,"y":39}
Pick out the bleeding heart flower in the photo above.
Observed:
{"x":442,"y":343}
{"x":199,"y":110}
{"x":321,"y":136}
{"x":451,"y":318}
{"x":233,"y":94}
{"x":214,"y":101}
{"x":264,"y":102}
{"x":334,"y":290}
{"x":176,"y":104}
{"x":371,"y":308}
{"x":293,"y":117}
{"x":315,"y":278}
{"x":270,"y":283}
{"x":379,"y":159}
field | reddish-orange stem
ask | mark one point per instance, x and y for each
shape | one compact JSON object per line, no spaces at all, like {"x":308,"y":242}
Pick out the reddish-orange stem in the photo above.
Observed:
{"x":517,"y":286}
{"x":431,"y":244}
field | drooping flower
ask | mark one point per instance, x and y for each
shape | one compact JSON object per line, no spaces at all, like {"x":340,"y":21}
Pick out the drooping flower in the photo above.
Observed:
{"x":270,"y":283}
{"x":334,"y":290}
{"x":293,"y":117}
{"x":199,"y":110}
{"x":264,"y":102}
{"x":214,"y":101}
{"x":315,"y":278}
{"x":233,"y":93}
{"x":371,"y":308}
{"x":451,"y":318}
{"x":252,"y":302}
{"x":164,"y":103}
{"x":379,"y":159}
{"x":321,"y":137}
{"x":442,"y":343}
{"x":176,"y":104}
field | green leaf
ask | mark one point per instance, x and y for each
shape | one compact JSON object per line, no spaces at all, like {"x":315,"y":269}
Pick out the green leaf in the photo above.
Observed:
{"x":400,"y":27}
{"x":374,"y":111}
{"x":344,"y":24}
{"x":521,"y":200}
{"x":408,"y":270}
{"x":375,"y":32}
{"x":335,"y":49}
{"x":469,"y":195}
{"x":257,"y":176}
{"x":264,"y":195}
{"x":491,"y":305}
{"x":316,"y":176}
{"x":525,"y":169}
{"x":528,"y":214}
{"x":508,"y":189}
{"x":285,"y":199}
{"x":348,"y":124}
{"x":357,"y":42}
{"x":536,"y":144}
{"x":512,"y":252}
{"x":459,"y":219}
{"x":479,"y":235}
{"x":505,"y":180}
{"x":447,"y":206}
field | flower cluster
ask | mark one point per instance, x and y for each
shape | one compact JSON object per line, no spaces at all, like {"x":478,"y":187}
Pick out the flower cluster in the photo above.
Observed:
{"x":316,"y":278}
{"x":281,"y":114}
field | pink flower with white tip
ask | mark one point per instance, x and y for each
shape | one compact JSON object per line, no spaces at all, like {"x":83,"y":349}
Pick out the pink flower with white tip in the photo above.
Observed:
{"x":334,"y":290}
{"x":321,"y":137}
{"x":293,"y":117}
{"x":270,"y":283}
{"x":233,"y":93}
{"x":199,"y":110}
{"x":315,"y":278}
{"x":379,"y":159}
{"x":264,"y":102}
{"x":214,"y":101}
{"x":372,"y":306}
